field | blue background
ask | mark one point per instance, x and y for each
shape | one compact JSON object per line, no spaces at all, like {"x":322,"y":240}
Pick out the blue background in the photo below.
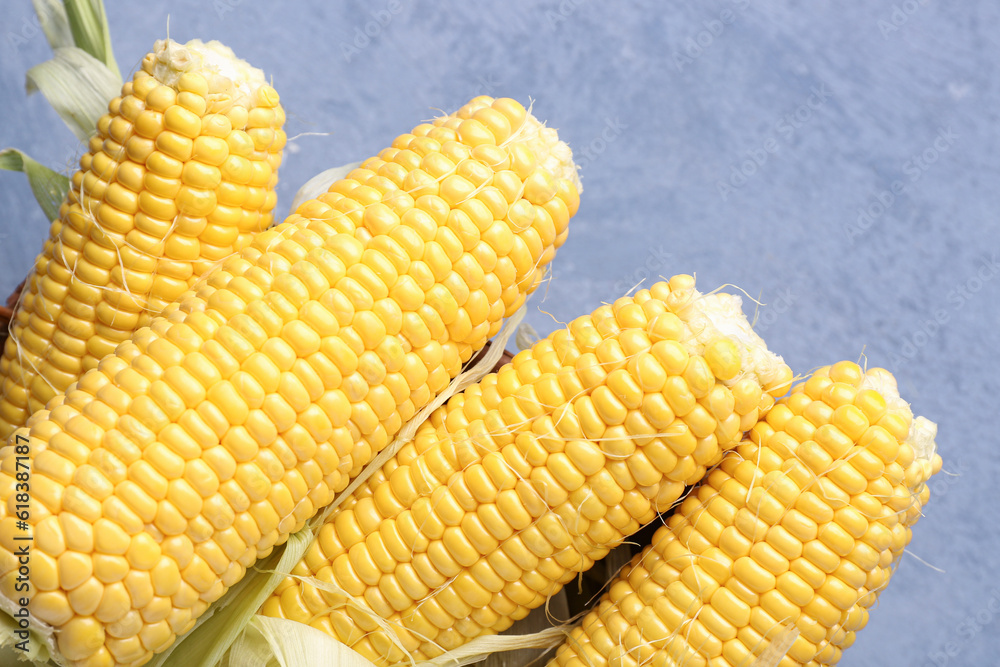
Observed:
{"x":847,"y":107}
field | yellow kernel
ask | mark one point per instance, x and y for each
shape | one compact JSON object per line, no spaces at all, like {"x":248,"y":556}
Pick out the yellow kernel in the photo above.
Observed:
{"x":723,"y":358}
{"x":747,"y":395}
{"x":851,"y":421}
{"x":847,"y":372}
{"x":844,"y":475}
{"x":609,"y":409}
{"x":678,"y":396}
{"x":82,"y":636}
{"x":832,"y":439}
{"x":821,"y":556}
{"x":753,"y":575}
{"x":539,"y":188}
{"x":474,"y":133}
{"x":143,"y":552}
{"x":182,"y":121}
{"x":625,"y":388}
{"x":871,"y":403}
{"x":74,"y":569}
{"x":671,"y":355}
{"x":160,"y":98}
{"x":496,"y":122}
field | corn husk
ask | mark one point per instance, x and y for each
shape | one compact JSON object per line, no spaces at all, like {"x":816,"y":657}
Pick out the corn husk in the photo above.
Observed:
{"x":225,"y":620}
{"x":79,"y":81}
{"x":49,"y":187}
{"x":40,"y":646}
{"x":268,"y":642}
{"x":54,"y":22}
{"x":78,"y":86}
{"x":88,"y":23}
{"x":277,"y":641}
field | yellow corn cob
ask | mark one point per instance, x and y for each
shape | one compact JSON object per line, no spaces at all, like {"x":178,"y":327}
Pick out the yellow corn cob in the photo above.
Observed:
{"x":223,"y":426}
{"x":179,"y":175}
{"x":801,"y":525}
{"x":526,"y":479}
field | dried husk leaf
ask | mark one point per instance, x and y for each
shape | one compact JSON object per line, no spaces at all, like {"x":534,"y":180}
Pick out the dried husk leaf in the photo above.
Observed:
{"x":78,"y":86}
{"x":54,"y":23}
{"x":278,"y":641}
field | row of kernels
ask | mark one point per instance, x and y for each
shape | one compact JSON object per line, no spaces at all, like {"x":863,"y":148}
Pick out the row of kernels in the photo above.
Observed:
{"x":553,"y":539}
{"x":233,"y":401}
{"x":135,"y":199}
{"x":229,"y":410}
{"x":793,"y":546}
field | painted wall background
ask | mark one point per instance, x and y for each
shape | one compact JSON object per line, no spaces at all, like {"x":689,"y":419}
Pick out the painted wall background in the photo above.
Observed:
{"x":837,"y":161}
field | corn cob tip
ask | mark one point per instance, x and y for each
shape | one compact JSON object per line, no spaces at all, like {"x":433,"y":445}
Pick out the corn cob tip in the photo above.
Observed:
{"x":555,"y":155}
{"x":922,"y":430}
{"x":179,"y":174}
{"x":882,"y":381}
{"x":922,"y":438}
{"x":779,"y":554}
{"x":720,"y":315}
{"x":226,"y":74}
{"x":293,"y":363}
{"x":525,"y":479}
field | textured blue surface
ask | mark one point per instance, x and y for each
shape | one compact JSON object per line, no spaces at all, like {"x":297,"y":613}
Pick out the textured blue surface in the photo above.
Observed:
{"x":662,"y":102}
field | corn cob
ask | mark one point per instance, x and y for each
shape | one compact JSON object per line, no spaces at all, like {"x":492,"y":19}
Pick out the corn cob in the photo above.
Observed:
{"x":179,"y":175}
{"x":223,"y":426}
{"x":526,"y":479}
{"x":800,"y":526}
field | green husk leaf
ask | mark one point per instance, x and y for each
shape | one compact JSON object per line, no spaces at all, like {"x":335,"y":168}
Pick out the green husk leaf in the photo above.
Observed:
{"x":38,"y":646}
{"x":273,"y":641}
{"x":89,"y":24}
{"x":78,"y":86}
{"x":482,"y":647}
{"x":250,"y":650}
{"x":54,"y":22}
{"x":218,"y":628}
{"x":291,"y":644}
{"x":49,"y":187}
